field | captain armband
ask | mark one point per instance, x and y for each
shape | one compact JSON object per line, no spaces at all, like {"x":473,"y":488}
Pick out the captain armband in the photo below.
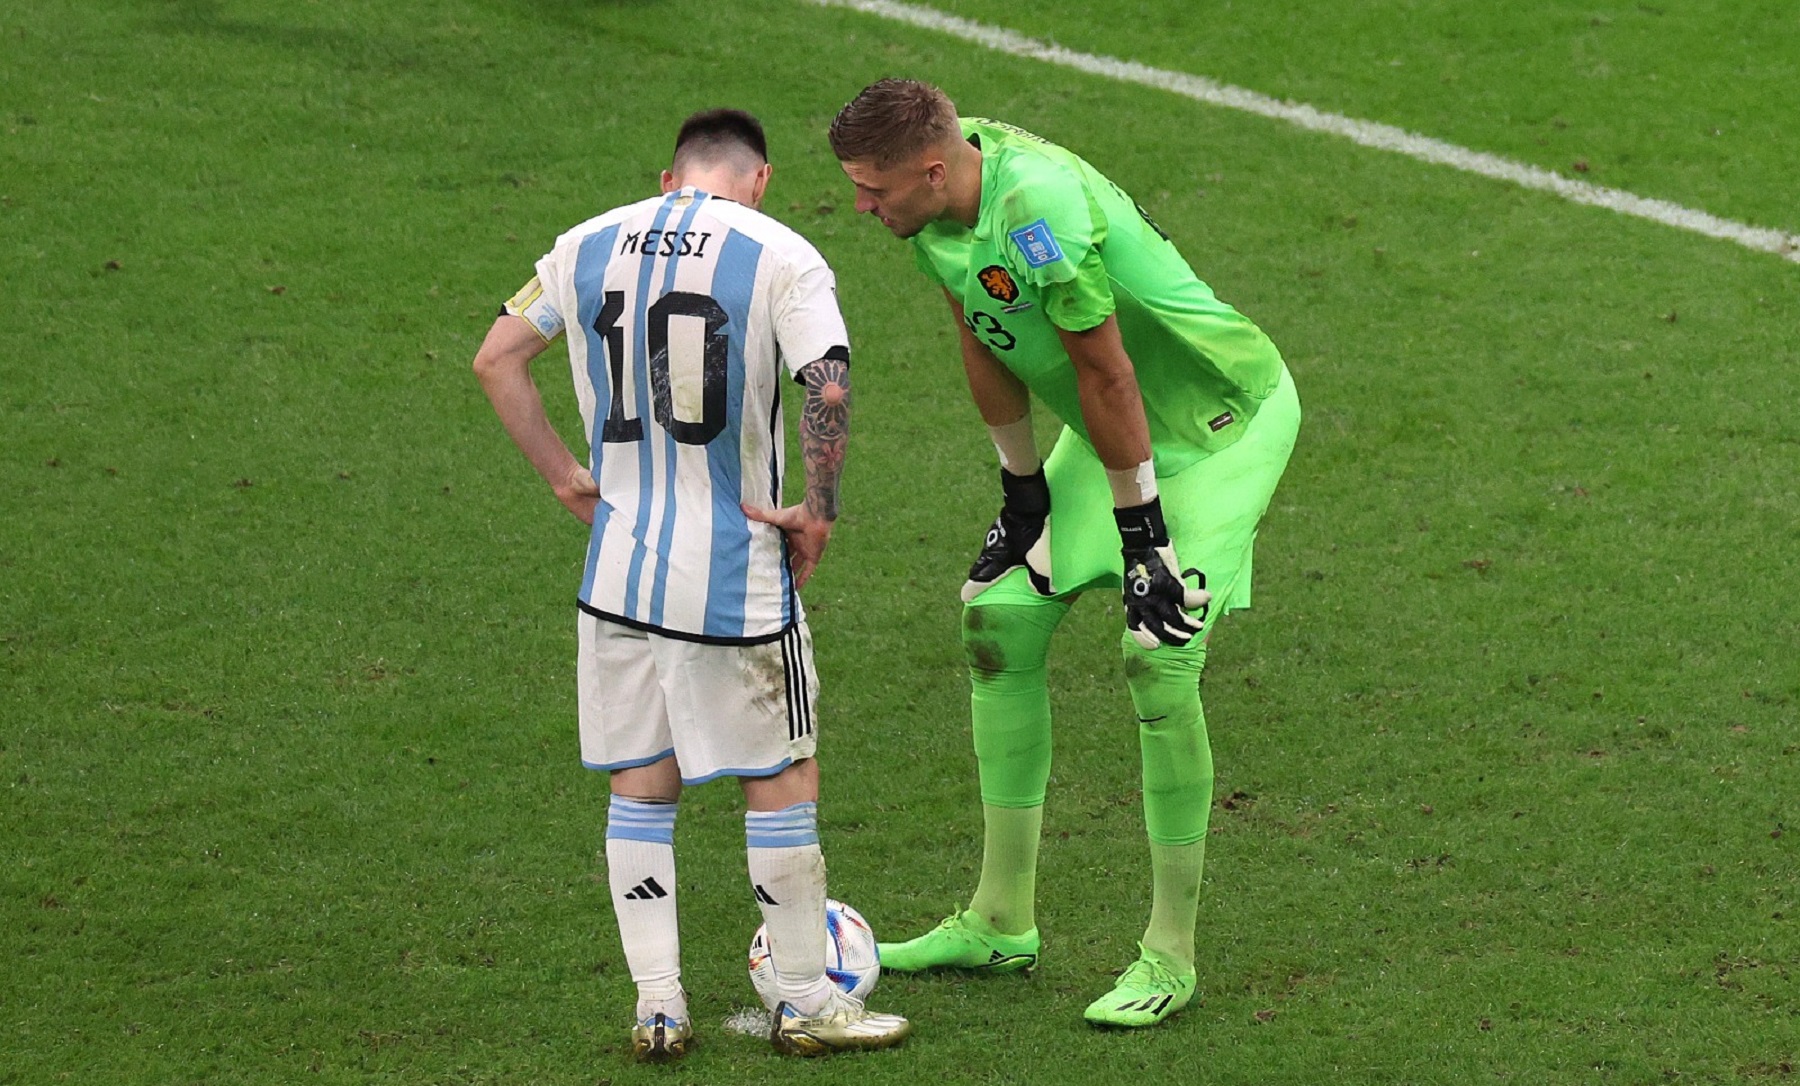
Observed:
{"x":532,"y":304}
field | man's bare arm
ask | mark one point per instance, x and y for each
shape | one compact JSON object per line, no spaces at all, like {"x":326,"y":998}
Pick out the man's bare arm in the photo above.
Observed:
{"x":1005,"y":405}
{"x":999,"y":395}
{"x":824,"y":433}
{"x":503,"y":364}
{"x":824,"y":437}
{"x":1112,"y":407}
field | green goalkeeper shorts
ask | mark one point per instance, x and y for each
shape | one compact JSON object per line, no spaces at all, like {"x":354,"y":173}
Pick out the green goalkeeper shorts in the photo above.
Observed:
{"x":1212,"y":508}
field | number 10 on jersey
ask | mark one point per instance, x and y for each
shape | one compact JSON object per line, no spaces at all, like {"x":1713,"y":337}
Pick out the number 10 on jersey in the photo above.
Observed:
{"x":710,"y":365}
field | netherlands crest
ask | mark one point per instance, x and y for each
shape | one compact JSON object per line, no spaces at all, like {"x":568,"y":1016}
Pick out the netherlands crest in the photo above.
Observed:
{"x":998,"y":282}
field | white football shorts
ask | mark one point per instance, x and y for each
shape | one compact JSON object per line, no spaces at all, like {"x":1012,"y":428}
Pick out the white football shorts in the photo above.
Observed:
{"x":721,"y":710}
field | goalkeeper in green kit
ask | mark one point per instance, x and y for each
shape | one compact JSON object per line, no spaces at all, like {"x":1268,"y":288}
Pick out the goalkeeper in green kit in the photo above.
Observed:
{"x":1179,"y":417}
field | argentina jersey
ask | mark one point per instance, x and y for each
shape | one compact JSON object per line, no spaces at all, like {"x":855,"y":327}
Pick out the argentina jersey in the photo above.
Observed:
{"x":684,"y":313}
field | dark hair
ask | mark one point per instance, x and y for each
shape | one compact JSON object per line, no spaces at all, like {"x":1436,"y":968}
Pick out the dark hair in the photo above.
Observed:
{"x":713,"y":134}
{"x":892,"y":120}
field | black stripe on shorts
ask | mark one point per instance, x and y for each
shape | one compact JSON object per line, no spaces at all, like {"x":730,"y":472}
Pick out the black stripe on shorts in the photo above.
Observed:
{"x":799,"y":705}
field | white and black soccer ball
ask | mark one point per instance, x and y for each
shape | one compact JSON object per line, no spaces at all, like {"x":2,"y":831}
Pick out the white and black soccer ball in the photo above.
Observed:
{"x":851,"y":960}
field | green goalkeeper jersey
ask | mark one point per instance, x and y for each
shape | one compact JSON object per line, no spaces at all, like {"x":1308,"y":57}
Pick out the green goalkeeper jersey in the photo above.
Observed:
{"x":1057,"y":245}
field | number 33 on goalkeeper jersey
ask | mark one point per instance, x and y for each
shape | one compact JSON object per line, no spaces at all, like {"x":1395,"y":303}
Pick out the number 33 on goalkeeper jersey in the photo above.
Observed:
{"x":685,"y":311}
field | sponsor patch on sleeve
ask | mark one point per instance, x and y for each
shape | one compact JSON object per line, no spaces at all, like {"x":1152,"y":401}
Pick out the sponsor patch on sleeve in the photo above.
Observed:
{"x":1037,"y":244}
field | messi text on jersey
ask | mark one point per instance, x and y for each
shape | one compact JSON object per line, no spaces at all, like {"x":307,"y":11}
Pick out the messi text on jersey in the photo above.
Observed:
{"x":666,"y":243}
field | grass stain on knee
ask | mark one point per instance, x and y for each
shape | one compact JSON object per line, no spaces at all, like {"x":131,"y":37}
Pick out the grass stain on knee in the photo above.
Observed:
{"x":986,"y":658}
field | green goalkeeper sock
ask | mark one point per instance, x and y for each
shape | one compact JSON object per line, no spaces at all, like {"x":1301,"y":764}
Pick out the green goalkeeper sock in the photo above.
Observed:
{"x":1006,"y":896}
{"x":1009,"y":706}
{"x":1178,"y":786}
{"x":1175,"y":900}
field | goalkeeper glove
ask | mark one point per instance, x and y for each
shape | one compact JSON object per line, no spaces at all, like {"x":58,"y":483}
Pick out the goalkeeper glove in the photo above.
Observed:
{"x":1014,"y":534}
{"x":1159,"y":608}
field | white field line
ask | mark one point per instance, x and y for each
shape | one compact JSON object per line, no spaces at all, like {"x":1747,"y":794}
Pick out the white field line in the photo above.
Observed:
{"x":1368,"y":133}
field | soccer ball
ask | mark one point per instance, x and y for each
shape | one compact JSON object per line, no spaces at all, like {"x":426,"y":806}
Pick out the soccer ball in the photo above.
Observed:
{"x":851,"y":960}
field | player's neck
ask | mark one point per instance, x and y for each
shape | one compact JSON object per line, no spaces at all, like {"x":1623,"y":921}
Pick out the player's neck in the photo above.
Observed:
{"x":728,"y":184}
{"x":964,"y":184}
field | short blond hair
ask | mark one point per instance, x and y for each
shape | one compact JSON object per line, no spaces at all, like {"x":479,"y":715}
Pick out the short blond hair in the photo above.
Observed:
{"x":892,"y":120}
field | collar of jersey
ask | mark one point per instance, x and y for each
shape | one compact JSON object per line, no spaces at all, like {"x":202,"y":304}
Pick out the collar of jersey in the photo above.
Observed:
{"x":989,"y":167}
{"x":694,"y":190}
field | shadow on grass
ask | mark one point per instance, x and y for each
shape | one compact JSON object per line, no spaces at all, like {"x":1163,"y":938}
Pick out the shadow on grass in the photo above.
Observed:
{"x":207,"y":17}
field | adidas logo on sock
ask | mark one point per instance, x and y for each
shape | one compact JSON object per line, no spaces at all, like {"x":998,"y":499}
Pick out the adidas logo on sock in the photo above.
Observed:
{"x":764,"y":897}
{"x":647,"y":890}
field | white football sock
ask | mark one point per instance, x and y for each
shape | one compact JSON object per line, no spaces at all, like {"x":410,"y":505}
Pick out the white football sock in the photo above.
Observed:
{"x":787,"y":873}
{"x":640,"y":868}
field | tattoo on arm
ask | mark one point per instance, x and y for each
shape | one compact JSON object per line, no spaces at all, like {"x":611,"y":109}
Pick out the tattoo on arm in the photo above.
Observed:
{"x":824,"y":432}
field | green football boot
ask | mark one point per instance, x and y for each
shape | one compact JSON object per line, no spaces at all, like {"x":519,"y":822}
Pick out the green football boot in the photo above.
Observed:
{"x":1149,"y":992}
{"x":963,"y":941}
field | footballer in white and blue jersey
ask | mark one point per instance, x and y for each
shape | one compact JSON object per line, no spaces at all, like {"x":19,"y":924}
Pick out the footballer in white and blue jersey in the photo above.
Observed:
{"x":683,"y":315}
{"x":673,"y":301}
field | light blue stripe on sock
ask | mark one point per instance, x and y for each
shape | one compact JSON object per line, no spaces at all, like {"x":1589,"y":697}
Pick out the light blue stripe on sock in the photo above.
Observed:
{"x":632,"y":820}
{"x":790,"y":827}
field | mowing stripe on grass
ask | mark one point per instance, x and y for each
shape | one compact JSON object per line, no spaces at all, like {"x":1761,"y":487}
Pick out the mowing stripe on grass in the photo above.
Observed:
{"x":1368,"y":133}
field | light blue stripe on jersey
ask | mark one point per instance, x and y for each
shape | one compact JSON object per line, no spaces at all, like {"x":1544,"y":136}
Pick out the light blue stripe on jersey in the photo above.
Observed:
{"x":734,"y":286}
{"x":660,"y":584}
{"x":790,"y":827}
{"x":640,"y":367}
{"x":632,"y":820}
{"x":590,"y":275}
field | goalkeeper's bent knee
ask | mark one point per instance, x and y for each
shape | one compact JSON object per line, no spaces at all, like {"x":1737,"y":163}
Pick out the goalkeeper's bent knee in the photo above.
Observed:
{"x":1009,"y":697}
{"x":1177,"y":757}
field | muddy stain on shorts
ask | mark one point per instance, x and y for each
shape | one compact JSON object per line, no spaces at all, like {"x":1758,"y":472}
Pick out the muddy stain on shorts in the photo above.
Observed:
{"x":765,"y":677}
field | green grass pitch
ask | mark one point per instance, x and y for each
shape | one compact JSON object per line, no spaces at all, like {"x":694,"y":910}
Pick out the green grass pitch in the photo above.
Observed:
{"x":1508,"y":754}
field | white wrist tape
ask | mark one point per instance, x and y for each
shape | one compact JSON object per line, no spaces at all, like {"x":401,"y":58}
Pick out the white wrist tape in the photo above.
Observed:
{"x":1017,"y":446}
{"x":1133,"y":486}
